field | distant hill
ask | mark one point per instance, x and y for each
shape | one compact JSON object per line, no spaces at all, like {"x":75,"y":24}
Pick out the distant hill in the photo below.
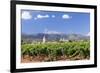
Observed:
{"x":53,"y":37}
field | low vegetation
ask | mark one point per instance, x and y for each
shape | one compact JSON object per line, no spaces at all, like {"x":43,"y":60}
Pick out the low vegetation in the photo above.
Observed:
{"x":54,"y":51}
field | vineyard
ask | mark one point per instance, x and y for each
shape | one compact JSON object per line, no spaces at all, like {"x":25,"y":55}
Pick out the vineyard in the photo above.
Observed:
{"x":55,"y":51}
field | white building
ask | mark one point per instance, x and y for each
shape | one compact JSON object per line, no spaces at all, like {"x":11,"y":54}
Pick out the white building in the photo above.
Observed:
{"x":62,"y":39}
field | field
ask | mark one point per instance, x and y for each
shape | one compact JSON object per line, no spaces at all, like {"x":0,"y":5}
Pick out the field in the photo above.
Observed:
{"x":55,"y":51}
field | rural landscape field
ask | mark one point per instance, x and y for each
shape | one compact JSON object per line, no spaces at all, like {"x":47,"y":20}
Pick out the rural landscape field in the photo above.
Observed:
{"x":55,"y":51}
{"x":54,"y":36}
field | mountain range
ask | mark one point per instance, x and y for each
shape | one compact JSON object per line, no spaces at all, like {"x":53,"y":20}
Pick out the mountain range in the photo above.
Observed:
{"x":53,"y":37}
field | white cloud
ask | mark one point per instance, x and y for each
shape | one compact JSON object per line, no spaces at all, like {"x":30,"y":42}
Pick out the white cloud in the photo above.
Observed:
{"x":53,"y":16}
{"x":66,"y":16}
{"x":26,"y":15}
{"x":41,"y":16}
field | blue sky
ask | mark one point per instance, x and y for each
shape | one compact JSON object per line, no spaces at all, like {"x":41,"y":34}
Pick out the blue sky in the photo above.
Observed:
{"x":54,"y":22}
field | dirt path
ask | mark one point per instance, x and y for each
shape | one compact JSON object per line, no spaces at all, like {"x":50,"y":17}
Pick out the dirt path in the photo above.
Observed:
{"x":43,"y":58}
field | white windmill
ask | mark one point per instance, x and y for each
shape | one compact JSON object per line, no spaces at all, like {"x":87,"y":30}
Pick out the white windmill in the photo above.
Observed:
{"x":44,"y":38}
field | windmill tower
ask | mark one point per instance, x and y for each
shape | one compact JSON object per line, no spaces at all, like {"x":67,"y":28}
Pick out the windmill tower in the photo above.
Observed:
{"x":44,"y":38}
